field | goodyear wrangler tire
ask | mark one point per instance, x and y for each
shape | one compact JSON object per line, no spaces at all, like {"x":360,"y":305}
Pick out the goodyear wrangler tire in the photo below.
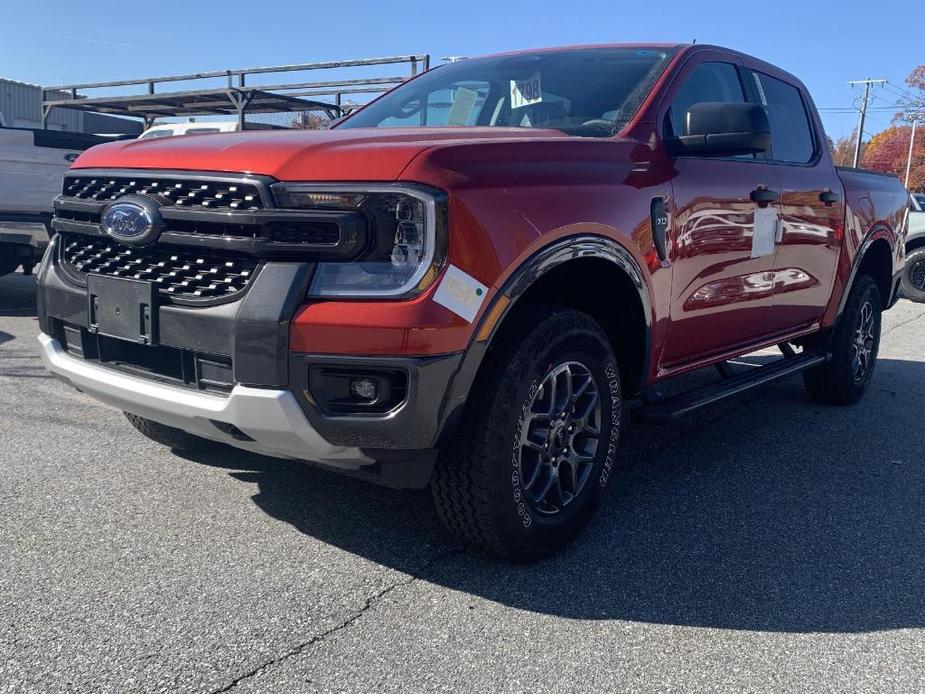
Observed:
{"x":175,"y":439}
{"x":538,"y":443}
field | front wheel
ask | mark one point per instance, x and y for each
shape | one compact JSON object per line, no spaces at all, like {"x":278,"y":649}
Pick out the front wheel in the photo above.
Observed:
{"x":537,"y":445}
{"x":854,"y":344}
{"x":912,"y":284}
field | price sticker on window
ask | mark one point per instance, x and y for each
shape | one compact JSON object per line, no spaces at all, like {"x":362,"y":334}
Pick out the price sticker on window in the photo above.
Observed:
{"x":461,"y":110}
{"x":526,"y":92}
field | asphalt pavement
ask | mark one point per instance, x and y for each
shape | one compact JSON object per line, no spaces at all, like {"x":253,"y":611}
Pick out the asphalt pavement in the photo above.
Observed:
{"x":767,"y":545}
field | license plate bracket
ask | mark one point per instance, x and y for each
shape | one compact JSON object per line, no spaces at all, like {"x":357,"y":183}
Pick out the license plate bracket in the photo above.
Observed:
{"x":122,"y":308}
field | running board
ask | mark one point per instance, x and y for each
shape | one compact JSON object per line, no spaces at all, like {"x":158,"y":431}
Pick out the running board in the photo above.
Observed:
{"x":673,"y":408}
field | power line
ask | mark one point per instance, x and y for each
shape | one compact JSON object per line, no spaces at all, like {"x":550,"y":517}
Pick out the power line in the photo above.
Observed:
{"x":879,"y":121}
{"x":853,"y":109}
{"x":901,"y":92}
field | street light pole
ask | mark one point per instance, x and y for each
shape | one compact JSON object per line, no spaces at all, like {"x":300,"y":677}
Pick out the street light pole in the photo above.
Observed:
{"x":909,"y":158}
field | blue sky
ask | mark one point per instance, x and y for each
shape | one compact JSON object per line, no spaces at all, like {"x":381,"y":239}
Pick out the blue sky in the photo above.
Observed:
{"x":824,"y":43}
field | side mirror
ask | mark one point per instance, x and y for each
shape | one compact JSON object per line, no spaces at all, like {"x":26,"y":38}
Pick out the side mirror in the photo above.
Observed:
{"x":719,"y":129}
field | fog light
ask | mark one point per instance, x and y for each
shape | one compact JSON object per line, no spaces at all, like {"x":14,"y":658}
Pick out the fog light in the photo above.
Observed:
{"x":340,"y":389}
{"x":364,"y":388}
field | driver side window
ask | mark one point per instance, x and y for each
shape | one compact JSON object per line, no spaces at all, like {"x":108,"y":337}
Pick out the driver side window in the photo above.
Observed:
{"x":707,"y":82}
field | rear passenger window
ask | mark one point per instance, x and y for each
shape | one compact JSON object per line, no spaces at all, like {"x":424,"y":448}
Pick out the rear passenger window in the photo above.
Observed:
{"x":707,"y":82}
{"x":791,"y":135}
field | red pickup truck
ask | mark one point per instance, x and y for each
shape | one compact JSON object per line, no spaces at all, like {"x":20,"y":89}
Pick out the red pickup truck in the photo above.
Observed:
{"x":465,"y":281}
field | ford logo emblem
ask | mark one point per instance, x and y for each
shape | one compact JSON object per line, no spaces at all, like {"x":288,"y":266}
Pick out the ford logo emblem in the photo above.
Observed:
{"x":134,"y":222}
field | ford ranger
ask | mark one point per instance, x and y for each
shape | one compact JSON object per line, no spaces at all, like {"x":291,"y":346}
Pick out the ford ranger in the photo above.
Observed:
{"x":463,"y":283}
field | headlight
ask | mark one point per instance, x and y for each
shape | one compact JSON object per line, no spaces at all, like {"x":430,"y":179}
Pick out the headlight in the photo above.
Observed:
{"x":406,"y":245}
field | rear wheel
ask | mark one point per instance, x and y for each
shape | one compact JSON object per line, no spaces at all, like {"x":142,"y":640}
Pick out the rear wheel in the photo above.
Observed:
{"x":173,"y":438}
{"x":854,"y":345}
{"x":537,"y":444}
{"x":912,"y":285}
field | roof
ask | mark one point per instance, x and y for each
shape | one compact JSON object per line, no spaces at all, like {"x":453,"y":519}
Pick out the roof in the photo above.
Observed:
{"x":20,"y":83}
{"x":584,"y":46}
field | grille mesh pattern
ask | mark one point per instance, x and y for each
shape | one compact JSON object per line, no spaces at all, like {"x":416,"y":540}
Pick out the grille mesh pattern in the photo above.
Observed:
{"x":184,"y":274}
{"x":205,"y":194}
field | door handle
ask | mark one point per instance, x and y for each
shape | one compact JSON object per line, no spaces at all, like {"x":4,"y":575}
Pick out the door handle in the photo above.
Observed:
{"x":829,"y":197}
{"x":763,"y":196}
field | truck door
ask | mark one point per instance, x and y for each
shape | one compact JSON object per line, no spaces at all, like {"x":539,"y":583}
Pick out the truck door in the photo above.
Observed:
{"x":721,"y":286}
{"x":812,"y":206}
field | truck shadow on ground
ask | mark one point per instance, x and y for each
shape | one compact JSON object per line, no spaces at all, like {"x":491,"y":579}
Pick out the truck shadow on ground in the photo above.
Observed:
{"x":17,"y":295}
{"x":772,"y":514}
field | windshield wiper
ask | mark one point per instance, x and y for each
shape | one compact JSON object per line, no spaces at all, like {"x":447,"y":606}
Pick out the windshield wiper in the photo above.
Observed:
{"x":596,"y":128}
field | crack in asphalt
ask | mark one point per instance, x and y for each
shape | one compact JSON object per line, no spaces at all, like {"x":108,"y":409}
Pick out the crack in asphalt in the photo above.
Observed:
{"x":899,"y":325}
{"x":429,"y":568}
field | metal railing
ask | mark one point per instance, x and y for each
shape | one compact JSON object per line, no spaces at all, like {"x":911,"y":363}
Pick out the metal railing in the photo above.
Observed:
{"x":240,"y":91}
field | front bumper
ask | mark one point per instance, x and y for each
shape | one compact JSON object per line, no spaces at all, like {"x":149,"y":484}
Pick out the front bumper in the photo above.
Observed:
{"x":272,"y":419}
{"x":24,"y":238}
{"x":33,"y":234}
{"x":267,"y":405}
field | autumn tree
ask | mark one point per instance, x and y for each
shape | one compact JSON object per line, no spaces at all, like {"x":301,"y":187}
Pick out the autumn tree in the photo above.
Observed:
{"x":309,"y":120}
{"x":843,"y":149}
{"x":887,"y":151}
{"x":913,"y":105}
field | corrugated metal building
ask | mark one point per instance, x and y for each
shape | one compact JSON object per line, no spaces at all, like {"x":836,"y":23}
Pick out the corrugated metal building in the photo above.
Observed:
{"x":21,"y":107}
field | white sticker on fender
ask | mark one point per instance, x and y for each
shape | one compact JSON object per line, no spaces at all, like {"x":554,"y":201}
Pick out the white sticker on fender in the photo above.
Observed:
{"x":461,"y":293}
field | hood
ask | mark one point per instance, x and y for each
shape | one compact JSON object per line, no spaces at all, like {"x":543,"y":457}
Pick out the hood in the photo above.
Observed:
{"x":348,"y":154}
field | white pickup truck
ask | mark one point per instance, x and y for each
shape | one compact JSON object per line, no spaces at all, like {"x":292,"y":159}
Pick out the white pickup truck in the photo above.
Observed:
{"x":202,"y":128}
{"x":32,"y":166}
{"x":913,"y":281}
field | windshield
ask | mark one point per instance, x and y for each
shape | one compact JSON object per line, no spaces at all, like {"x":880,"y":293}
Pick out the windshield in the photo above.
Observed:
{"x":920,"y":199}
{"x":587,"y":92}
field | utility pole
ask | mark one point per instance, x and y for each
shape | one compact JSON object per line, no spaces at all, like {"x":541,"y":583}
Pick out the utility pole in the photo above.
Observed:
{"x":857,"y":142}
{"x":915,"y":122}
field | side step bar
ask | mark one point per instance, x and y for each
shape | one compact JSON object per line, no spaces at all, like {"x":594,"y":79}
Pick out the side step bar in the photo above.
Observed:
{"x":673,"y":408}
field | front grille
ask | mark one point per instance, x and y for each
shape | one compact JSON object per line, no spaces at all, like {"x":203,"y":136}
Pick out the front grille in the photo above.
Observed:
{"x":185,"y":274}
{"x":200,"y":193}
{"x":314,"y":233}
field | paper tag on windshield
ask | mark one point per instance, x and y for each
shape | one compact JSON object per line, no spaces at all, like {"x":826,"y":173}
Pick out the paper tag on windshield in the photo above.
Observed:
{"x":463,"y":102}
{"x":526,"y":92}
{"x":461,"y":293}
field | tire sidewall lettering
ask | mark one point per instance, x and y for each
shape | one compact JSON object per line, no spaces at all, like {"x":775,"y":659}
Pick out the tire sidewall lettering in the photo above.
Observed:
{"x":616,"y":410}
{"x":519,"y":506}
{"x":613,"y":391}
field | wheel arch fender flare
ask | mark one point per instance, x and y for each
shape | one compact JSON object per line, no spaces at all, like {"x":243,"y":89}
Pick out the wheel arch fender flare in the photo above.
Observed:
{"x":514,"y":287}
{"x":877,"y":234}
